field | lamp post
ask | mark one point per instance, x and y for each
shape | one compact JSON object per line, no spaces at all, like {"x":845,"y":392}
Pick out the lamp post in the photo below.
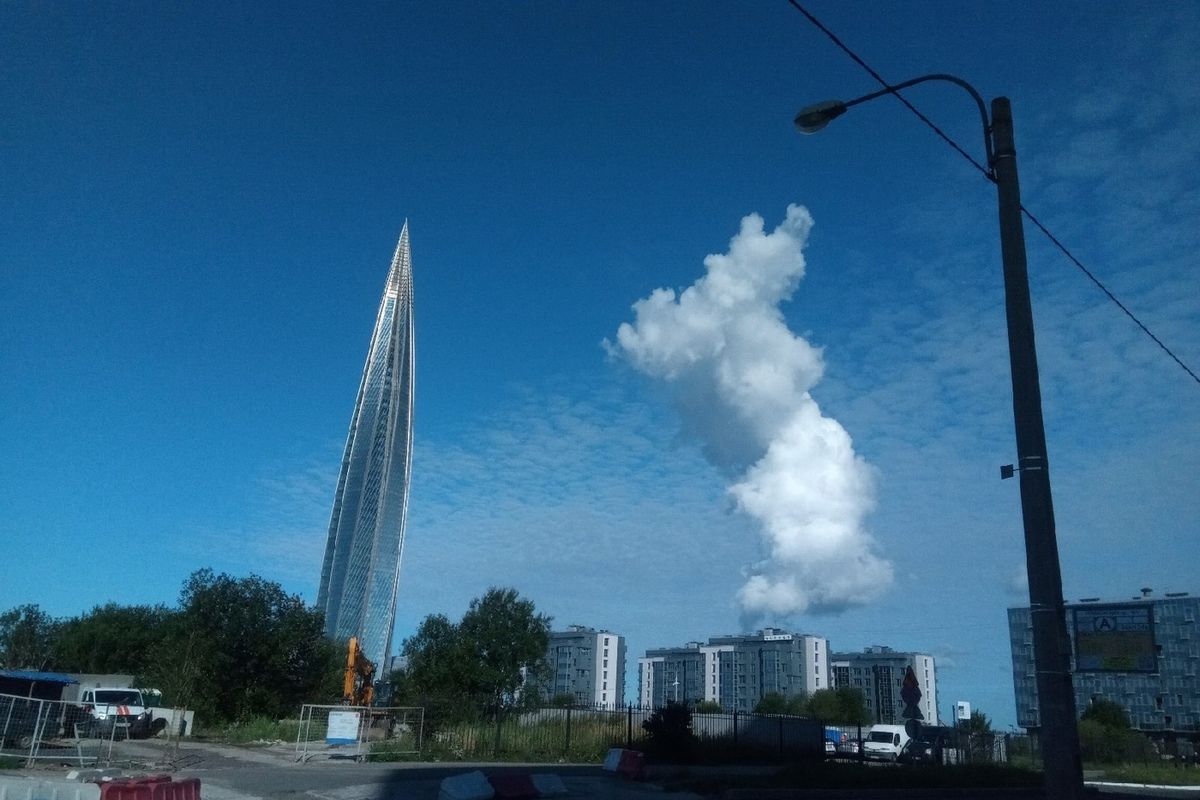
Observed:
{"x":1051,"y":647}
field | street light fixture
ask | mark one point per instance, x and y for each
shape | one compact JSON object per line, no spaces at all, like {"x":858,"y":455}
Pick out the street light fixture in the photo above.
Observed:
{"x":1051,"y":647}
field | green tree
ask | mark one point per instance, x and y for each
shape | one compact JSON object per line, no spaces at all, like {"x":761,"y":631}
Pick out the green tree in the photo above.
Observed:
{"x":1106,"y":713}
{"x":978,"y":723}
{"x":438,"y":662}
{"x":508,"y":641}
{"x":240,"y":648}
{"x":562,"y":700}
{"x":27,"y":638}
{"x":772,"y":703}
{"x":842,"y":706}
{"x":112,"y":639}
{"x":500,"y":643}
{"x":708,"y":707}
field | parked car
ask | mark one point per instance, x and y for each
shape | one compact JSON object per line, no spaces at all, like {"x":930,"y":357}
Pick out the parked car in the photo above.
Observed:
{"x":112,"y":712}
{"x":848,"y":748}
{"x":884,"y":742}
{"x":934,"y":744}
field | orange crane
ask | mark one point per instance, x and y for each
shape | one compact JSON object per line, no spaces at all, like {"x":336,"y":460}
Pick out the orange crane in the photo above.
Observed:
{"x":359,"y":684}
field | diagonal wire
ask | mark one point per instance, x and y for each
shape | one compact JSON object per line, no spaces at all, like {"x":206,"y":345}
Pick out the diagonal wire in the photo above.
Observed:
{"x":986,"y":171}
{"x":988,"y":174}
{"x":1104,"y":289}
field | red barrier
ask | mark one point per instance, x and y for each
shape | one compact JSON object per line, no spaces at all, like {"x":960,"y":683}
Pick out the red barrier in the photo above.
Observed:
{"x":132,"y":788}
{"x":151,"y":787}
{"x":183,"y":789}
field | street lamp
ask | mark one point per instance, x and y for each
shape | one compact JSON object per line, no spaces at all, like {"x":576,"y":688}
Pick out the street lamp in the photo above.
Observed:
{"x":1051,"y":647}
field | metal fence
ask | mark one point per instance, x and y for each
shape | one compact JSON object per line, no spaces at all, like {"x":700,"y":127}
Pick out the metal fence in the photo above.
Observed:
{"x":585,"y":734}
{"x":359,"y":733}
{"x":65,"y":732}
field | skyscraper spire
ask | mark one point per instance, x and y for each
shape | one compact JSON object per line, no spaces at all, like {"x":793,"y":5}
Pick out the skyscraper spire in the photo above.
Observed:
{"x":361,"y":570}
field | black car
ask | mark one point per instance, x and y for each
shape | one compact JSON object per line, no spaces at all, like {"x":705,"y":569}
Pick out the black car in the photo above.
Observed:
{"x":933,"y":744}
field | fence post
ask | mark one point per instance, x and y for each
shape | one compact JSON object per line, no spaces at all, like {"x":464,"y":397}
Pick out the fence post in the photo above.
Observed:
{"x":629,"y":729}
{"x":499,"y":717}
{"x":735,"y":741}
{"x":567,"y":748}
{"x":38,"y":724}
{"x":781,"y":736}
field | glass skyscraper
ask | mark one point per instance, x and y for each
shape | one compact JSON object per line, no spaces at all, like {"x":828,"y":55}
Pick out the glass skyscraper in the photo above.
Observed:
{"x":361,"y":570}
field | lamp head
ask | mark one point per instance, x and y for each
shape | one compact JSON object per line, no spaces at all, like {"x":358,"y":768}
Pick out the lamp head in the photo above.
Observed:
{"x":812,"y":118}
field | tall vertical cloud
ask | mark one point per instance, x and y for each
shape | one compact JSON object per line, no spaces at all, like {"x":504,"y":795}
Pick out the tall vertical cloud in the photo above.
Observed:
{"x":742,"y":380}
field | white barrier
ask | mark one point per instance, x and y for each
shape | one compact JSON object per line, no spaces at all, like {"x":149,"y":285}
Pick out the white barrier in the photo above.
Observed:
{"x":26,"y":788}
{"x":469,"y":786}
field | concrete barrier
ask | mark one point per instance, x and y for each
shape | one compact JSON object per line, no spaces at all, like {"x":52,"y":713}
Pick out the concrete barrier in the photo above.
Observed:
{"x":549,"y":785}
{"x":513,"y":787}
{"x":468,"y":786}
{"x":629,"y":763}
{"x":22,"y":787}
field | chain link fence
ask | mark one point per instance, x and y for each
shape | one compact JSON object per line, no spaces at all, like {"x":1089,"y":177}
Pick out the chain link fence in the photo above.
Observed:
{"x":68,"y":732}
{"x":359,"y":733}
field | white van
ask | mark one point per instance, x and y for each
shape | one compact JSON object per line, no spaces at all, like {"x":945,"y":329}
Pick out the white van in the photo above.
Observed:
{"x":884,"y":742}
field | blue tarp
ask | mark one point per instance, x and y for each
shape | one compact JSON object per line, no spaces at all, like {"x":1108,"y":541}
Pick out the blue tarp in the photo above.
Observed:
{"x":31,"y":675}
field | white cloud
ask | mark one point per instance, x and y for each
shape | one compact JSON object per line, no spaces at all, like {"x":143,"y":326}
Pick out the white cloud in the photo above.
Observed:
{"x":742,"y":379}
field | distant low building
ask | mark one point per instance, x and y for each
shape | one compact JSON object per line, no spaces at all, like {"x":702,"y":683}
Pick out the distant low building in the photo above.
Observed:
{"x":1141,"y":653}
{"x":734,"y":671}
{"x":879,"y":672}
{"x":673,"y":674}
{"x":588,"y":665}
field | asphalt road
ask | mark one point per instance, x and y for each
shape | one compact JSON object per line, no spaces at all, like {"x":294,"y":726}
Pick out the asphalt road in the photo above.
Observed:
{"x":271,"y":772}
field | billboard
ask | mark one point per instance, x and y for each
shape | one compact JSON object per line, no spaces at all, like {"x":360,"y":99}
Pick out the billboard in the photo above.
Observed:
{"x":1115,"y":638}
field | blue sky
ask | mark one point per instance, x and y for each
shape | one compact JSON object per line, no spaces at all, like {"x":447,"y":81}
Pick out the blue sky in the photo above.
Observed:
{"x":201,"y":203}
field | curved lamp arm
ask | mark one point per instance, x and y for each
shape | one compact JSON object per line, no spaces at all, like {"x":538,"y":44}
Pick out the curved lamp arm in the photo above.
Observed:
{"x":815,"y":117}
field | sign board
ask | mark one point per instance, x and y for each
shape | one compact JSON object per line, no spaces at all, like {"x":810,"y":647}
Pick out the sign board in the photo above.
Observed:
{"x":962,"y":710}
{"x":1115,"y":638}
{"x":343,"y":727}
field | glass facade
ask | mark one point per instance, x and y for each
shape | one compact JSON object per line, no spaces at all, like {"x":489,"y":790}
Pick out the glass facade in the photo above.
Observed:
{"x":361,"y":570}
{"x":1167,"y":699}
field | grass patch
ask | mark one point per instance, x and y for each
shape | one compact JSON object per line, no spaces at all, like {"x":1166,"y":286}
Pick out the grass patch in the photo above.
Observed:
{"x":11,"y":762}
{"x":586,"y":738}
{"x":826,"y":775}
{"x":255,"y":730}
{"x":1155,"y":774}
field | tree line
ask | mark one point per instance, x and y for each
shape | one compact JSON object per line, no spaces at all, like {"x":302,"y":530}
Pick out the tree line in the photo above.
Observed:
{"x":231,"y":649}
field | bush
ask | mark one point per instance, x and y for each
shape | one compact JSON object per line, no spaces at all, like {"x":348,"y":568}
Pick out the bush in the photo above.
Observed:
{"x":669,"y":732}
{"x":1102,"y":744}
{"x":255,"y":729}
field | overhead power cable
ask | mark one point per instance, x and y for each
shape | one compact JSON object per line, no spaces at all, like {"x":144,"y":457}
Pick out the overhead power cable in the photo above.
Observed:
{"x":987,"y":173}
